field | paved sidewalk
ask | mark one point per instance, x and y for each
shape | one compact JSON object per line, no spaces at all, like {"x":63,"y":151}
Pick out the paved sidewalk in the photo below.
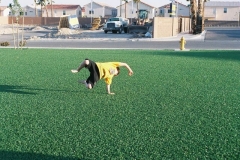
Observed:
{"x":127,"y":37}
{"x":186,"y":36}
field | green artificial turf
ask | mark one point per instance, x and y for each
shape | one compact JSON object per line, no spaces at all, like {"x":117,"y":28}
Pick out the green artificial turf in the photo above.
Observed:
{"x":177,"y":105}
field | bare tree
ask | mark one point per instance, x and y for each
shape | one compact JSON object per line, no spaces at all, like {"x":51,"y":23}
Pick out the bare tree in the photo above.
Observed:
{"x":35,"y":2}
{"x":46,"y":3}
{"x":12,"y":13}
{"x":52,"y":7}
{"x":16,"y":11}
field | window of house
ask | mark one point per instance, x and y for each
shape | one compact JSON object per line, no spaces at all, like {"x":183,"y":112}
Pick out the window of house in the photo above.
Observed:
{"x":64,"y":12}
{"x":169,"y":11}
{"x":91,"y":12}
{"x":79,"y":13}
{"x":225,"y":10}
{"x":25,"y":13}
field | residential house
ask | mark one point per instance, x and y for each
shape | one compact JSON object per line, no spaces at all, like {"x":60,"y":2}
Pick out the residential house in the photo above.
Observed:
{"x":222,"y":11}
{"x":58,"y":10}
{"x":4,"y":11}
{"x":129,"y":10}
{"x":176,"y":9}
{"x":32,"y":11}
{"x":95,"y":9}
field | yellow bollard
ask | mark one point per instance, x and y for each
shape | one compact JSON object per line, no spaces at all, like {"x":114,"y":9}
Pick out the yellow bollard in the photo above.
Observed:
{"x":182,"y":43}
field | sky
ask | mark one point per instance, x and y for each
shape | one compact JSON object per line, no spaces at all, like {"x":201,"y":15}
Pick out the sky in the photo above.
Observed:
{"x":113,"y":3}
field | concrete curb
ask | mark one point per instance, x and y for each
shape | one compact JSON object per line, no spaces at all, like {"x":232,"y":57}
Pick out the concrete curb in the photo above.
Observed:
{"x":187,"y":37}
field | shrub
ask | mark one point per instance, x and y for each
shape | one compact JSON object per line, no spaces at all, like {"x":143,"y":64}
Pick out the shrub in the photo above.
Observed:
{"x":22,"y":43}
{"x":5,"y":44}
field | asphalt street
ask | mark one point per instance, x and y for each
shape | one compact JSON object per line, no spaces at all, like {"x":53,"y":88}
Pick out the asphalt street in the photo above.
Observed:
{"x":210,"y":39}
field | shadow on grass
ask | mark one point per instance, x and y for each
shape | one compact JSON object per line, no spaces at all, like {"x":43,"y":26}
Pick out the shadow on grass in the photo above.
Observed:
{"x":10,"y":155}
{"x":220,"y":55}
{"x":19,"y":90}
{"x":14,"y":89}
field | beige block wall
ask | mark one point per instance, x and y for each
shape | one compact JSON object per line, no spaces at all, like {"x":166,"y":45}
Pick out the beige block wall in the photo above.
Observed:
{"x":3,"y":20}
{"x":165,"y":27}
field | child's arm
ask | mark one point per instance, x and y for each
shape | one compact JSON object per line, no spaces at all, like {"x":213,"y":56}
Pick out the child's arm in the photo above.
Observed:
{"x":108,"y":89}
{"x":130,"y":72}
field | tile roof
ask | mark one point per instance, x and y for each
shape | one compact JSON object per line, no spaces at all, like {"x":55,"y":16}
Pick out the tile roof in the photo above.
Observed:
{"x":168,"y":5}
{"x":103,"y":4}
{"x":63,"y":6}
{"x":139,"y":3}
{"x":3,"y":7}
{"x":222,"y":4}
{"x":32,"y":6}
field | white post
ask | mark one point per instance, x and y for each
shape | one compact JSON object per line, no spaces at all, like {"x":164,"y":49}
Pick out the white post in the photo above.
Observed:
{"x":238,"y":18}
{"x":120,"y":8}
{"x":91,"y":11}
{"x":177,"y":9}
{"x":23,"y":27}
{"x":103,"y":14}
{"x":132,"y":12}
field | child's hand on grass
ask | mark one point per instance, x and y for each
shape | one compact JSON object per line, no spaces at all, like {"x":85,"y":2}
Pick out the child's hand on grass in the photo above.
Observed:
{"x":130,"y":73}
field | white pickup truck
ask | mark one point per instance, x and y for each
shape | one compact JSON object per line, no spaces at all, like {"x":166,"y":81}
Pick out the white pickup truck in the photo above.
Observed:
{"x":116,"y":24}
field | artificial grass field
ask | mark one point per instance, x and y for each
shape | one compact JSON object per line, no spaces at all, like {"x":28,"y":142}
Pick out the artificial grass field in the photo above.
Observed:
{"x":177,"y":105}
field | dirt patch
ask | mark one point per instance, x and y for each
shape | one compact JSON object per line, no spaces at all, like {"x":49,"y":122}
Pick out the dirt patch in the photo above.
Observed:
{"x":67,"y":31}
{"x":38,"y":28}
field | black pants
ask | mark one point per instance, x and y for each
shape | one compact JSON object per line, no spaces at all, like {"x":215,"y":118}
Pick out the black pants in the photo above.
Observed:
{"x":94,"y":72}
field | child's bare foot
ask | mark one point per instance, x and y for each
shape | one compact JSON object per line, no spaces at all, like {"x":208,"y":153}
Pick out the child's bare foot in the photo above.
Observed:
{"x":74,"y":71}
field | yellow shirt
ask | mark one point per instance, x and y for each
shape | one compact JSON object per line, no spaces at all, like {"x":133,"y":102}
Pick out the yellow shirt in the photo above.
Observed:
{"x":106,"y":70}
